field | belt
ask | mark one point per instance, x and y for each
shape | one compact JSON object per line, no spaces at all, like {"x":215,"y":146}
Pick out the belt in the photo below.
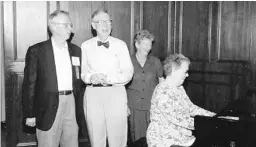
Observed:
{"x":100,"y":85}
{"x":65,"y":92}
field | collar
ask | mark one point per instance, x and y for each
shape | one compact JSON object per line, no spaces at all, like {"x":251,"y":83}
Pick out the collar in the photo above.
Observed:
{"x":108,"y":39}
{"x":54,"y":44}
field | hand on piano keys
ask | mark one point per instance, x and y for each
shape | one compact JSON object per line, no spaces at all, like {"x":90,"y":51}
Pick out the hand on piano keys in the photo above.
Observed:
{"x":229,"y":117}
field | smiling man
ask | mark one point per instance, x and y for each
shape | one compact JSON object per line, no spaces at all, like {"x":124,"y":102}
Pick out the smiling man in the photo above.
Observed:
{"x":51,"y":83}
{"x":107,"y":67}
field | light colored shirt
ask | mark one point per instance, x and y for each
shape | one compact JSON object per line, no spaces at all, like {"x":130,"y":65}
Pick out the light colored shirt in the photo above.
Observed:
{"x":63,"y":66}
{"x":172,"y":117}
{"x":114,"y":61}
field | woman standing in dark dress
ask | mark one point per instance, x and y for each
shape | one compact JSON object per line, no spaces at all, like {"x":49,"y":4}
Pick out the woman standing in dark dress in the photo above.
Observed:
{"x":147,"y":72}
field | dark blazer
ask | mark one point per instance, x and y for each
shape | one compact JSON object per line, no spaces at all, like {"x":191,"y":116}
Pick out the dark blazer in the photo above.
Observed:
{"x":40,"y":96}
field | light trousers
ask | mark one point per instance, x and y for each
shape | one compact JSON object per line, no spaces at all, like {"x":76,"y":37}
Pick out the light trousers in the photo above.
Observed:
{"x":64,"y":131}
{"x":106,"y":115}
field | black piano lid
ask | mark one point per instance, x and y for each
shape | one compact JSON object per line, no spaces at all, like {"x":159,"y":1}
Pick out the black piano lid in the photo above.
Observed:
{"x":240,"y":107}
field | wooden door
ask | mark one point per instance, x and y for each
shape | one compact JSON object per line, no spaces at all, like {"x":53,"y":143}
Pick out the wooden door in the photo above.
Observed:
{"x":24,"y":23}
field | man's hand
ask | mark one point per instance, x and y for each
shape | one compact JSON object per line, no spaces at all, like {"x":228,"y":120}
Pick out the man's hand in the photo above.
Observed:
{"x":99,"y":79}
{"x":128,"y":111}
{"x":31,"y":122}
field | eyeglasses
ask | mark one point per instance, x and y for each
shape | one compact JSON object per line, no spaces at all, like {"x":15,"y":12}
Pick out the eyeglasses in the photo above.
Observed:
{"x":101,"y":22}
{"x":64,"y":24}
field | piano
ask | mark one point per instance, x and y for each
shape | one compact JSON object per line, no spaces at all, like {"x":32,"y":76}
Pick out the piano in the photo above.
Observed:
{"x":234,"y":126}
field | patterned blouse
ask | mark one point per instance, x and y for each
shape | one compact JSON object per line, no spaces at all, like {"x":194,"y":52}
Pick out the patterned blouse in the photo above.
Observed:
{"x":171,"y":116}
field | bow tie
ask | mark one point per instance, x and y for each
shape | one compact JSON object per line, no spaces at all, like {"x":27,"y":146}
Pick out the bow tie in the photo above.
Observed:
{"x":106,"y":44}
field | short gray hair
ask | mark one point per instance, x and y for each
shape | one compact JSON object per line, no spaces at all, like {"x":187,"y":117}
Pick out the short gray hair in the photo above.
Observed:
{"x":53,"y":15}
{"x":174,"y":60}
{"x":56,"y":13}
{"x":95,"y":13}
{"x":143,"y":34}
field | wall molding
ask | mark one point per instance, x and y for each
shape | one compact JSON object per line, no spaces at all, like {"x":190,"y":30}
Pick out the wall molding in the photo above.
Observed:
{"x":169,"y":37}
{"x":15,"y":54}
{"x":141,"y":15}
{"x":174,"y":27}
{"x":219,"y":29}
{"x":132,"y":28}
{"x":2,"y":76}
{"x":210,"y":31}
{"x":180,"y":27}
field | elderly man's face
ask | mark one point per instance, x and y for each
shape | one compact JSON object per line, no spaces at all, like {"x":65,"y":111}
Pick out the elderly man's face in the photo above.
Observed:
{"x":62,"y":26}
{"x":102,"y":24}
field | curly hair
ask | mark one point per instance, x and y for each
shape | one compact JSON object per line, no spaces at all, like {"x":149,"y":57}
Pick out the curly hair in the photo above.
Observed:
{"x":174,"y":60}
{"x":143,"y":34}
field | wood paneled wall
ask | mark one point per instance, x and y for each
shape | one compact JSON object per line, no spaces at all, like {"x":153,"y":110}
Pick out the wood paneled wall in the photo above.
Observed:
{"x":206,"y":32}
{"x":155,"y":19}
{"x":195,"y":29}
{"x":202,"y":31}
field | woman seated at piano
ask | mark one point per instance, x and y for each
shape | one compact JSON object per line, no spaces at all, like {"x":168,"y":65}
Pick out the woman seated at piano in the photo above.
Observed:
{"x":171,"y":112}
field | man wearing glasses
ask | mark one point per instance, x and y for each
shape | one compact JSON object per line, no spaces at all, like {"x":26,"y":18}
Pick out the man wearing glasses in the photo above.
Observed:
{"x":106,"y":68}
{"x":51,"y":83}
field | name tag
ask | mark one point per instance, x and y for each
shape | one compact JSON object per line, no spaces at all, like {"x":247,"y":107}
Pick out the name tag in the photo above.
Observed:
{"x":75,"y":61}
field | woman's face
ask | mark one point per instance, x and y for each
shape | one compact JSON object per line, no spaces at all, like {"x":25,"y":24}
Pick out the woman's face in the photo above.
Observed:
{"x":181,"y":73}
{"x":144,"y":46}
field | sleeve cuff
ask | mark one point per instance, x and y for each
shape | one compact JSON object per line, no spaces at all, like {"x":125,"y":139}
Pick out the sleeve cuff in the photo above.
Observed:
{"x":86,"y":78}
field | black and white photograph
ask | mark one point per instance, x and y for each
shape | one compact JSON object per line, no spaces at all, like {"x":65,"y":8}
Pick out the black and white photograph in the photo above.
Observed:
{"x":128,"y":73}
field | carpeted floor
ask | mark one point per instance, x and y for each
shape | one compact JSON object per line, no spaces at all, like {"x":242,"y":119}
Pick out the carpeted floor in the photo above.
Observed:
{"x":82,"y":142}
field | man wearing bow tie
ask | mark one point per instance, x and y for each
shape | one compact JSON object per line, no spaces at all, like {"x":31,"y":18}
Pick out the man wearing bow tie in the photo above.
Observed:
{"x":106,"y":68}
